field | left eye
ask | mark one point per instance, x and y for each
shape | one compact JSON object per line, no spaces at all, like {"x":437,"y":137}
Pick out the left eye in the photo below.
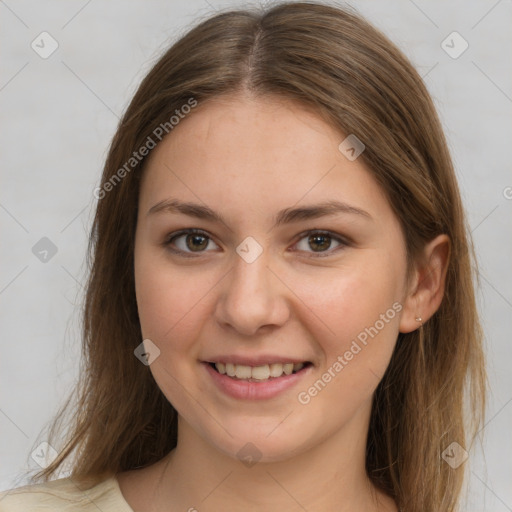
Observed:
{"x":191,"y":241}
{"x":320,"y":241}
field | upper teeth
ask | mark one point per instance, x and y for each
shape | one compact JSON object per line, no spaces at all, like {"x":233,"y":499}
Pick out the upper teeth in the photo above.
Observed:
{"x":263,"y":372}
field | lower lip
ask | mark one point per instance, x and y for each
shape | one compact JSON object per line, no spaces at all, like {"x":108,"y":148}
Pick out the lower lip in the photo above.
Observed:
{"x":246,"y":390}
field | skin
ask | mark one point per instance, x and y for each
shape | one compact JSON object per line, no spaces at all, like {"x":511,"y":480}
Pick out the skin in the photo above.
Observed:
{"x":248,"y":158}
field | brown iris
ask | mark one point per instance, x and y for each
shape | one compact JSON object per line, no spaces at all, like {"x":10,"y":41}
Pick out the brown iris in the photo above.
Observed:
{"x":196,"y":241}
{"x":313,"y":239}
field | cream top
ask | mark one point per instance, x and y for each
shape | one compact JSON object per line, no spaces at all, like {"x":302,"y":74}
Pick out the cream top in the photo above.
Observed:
{"x":62,"y":495}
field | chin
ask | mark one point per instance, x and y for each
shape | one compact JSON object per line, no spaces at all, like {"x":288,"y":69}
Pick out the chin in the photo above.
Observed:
{"x":264,"y":444}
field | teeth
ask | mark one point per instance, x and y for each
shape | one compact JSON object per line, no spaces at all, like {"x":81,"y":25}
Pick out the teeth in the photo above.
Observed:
{"x":288,"y":368}
{"x":263,"y":372}
{"x":260,"y":372}
{"x":243,"y":372}
{"x":276,"y":370}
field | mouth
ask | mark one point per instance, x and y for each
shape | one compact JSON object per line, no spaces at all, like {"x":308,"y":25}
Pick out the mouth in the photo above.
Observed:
{"x":259,"y":381}
{"x":260,"y":373}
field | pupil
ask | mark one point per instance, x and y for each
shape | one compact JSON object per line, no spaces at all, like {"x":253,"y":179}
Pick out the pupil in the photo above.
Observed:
{"x":314,"y":238}
{"x":194,"y":244}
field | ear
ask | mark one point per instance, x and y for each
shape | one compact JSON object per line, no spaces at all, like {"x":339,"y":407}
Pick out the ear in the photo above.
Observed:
{"x":427,"y":285}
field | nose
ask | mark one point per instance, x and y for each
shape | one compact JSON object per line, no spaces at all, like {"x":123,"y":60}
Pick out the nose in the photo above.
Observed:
{"x":252,"y":298}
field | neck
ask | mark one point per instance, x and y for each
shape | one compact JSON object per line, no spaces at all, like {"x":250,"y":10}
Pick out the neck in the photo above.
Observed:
{"x":330,"y":476}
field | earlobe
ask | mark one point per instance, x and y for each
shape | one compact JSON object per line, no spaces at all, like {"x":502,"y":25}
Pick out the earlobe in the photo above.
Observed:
{"x":427,"y":291}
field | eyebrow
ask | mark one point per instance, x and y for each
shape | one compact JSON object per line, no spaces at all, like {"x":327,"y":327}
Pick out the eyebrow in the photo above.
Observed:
{"x":286,"y":216}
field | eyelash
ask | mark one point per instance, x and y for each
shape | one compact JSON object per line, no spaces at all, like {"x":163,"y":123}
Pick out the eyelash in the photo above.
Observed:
{"x":173,"y":236}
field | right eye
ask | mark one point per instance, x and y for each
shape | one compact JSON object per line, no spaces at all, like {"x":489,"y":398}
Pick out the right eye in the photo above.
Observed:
{"x":188,"y":241}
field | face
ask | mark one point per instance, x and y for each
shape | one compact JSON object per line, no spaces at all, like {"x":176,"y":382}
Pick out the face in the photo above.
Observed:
{"x":269,"y":278}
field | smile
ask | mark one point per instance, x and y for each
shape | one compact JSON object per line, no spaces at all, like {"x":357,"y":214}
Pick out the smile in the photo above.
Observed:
{"x":258,"y":373}
{"x":265,"y":381}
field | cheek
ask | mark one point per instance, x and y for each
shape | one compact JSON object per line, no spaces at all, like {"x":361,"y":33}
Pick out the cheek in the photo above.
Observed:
{"x":169,"y":305}
{"x":172,"y":302}
{"x":354,"y":295}
{"x":359,"y":305}
{"x":362,"y":316}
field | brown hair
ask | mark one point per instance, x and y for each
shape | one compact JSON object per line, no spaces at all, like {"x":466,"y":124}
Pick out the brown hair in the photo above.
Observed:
{"x":333,"y":61}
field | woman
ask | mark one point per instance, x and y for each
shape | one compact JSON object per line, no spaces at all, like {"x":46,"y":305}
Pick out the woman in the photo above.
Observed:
{"x":280,"y":313}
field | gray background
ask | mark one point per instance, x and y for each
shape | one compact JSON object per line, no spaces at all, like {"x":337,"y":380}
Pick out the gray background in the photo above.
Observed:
{"x":60,"y":113}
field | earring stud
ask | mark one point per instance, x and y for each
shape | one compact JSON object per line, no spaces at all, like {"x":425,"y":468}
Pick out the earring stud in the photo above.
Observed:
{"x":419,"y":319}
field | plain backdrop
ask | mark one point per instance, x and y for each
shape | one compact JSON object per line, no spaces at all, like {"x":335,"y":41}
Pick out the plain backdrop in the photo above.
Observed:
{"x":60,"y":112}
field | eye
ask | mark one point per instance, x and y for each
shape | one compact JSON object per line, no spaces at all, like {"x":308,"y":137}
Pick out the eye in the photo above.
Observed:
{"x":320,"y":242}
{"x":188,"y":241}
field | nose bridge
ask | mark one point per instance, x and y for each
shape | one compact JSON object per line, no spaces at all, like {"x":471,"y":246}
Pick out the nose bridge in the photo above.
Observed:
{"x":250,"y":276}
{"x":252,"y":296}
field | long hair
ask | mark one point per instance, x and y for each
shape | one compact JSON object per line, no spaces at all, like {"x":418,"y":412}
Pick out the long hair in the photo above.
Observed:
{"x":332,"y":60}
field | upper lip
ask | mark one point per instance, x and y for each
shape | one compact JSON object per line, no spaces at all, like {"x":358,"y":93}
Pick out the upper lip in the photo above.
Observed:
{"x":256,"y":360}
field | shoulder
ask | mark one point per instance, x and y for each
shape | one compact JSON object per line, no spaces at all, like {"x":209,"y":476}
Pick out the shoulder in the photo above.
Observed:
{"x":64,"y":495}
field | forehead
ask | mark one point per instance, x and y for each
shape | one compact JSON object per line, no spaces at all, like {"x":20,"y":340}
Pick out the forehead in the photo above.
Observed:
{"x":256,"y":153}
{"x":245,"y":132}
